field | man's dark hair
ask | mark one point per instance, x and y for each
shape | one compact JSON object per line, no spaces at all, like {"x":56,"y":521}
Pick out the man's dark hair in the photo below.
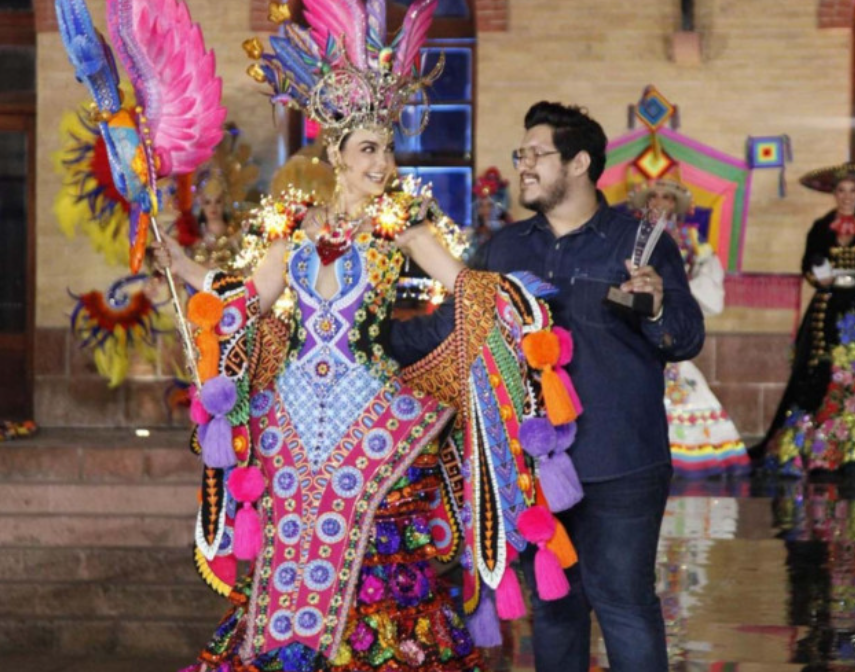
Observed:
{"x":573,"y":131}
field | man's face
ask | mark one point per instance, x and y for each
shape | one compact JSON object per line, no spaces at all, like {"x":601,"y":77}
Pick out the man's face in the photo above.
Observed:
{"x":543,"y":177}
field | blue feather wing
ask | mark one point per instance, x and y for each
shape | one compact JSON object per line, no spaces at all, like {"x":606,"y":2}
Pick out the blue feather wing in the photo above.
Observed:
{"x":89,"y":54}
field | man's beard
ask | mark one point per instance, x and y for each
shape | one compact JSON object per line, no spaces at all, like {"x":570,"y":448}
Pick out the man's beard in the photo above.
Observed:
{"x":554,"y":194}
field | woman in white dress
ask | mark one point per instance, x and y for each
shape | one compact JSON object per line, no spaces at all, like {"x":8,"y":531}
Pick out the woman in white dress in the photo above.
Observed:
{"x":704,"y":440}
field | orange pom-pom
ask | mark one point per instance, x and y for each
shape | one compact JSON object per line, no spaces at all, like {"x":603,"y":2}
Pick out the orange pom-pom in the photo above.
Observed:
{"x":205,"y":310}
{"x":561,"y":545}
{"x":541,"y":349}
{"x":209,"y":355}
{"x":559,"y":407}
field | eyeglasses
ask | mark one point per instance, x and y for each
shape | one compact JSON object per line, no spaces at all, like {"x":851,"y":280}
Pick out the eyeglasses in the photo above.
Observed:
{"x":529,"y":156}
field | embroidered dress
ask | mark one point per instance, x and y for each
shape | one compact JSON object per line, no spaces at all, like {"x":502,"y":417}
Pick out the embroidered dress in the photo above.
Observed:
{"x":704,"y":440}
{"x":349,"y":455}
{"x":813,"y":425}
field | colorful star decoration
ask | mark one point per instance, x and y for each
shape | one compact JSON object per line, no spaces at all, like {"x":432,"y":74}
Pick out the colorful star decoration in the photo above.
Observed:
{"x":654,"y":109}
{"x":771,"y":151}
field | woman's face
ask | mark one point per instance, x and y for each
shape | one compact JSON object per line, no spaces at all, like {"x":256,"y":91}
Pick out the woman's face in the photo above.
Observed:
{"x":212,"y":205}
{"x":844,"y":194}
{"x":662,"y":202}
{"x":367,"y":163}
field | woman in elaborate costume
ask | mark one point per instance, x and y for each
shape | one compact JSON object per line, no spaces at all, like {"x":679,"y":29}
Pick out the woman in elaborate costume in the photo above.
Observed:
{"x":814,"y":426}
{"x":704,"y":440}
{"x":339,"y":476}
{"x":220,"y":239}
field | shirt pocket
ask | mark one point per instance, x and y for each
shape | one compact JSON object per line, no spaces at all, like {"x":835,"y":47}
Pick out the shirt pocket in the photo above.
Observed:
{"x":589,"y":289}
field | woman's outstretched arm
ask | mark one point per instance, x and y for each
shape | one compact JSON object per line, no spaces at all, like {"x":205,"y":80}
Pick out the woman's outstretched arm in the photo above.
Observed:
{"x":269,"y":276}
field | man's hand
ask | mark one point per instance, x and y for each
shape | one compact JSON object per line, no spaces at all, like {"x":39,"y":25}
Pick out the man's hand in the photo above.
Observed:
{"x":645,"y":280}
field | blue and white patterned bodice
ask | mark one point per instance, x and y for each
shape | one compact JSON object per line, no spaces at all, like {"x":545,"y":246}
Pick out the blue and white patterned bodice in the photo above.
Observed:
{"x":328,"y":380}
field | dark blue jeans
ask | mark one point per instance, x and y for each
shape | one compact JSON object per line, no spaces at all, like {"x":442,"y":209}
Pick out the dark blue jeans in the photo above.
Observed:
{"x":615,"y":529}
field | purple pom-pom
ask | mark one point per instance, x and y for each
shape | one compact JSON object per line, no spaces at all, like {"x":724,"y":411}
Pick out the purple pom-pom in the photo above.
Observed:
{"x":537,"y":436}
{"x":559,"y":482}
{"x":484,"y":623}
{"x":216,"y":440}
{"x":565,"y":435}
{"x":218,"y":395}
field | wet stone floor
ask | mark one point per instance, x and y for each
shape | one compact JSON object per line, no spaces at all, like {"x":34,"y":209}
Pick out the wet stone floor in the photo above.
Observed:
{"x":754,"y":577}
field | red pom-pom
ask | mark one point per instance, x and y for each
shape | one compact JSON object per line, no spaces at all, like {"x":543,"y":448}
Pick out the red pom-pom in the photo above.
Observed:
{"x":536,"y":524}
{"x":246,"y":483}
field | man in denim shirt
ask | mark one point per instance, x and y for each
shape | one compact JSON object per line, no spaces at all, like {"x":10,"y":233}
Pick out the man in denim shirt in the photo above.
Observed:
{"x":582,"y":246}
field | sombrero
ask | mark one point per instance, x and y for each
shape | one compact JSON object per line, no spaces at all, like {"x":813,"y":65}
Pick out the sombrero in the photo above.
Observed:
{"x":826,"y":179}
{"x":682,"y":196}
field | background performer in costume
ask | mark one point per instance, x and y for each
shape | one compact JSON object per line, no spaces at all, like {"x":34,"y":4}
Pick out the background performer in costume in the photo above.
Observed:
{"x":704,"y":440}
{"x":814,"y":426}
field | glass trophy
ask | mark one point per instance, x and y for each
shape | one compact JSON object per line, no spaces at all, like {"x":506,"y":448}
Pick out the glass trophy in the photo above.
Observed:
{"x":639,"y":303}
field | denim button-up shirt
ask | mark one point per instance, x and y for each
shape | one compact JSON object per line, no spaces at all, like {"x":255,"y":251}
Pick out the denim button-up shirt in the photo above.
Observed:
{"x":618,"y":361}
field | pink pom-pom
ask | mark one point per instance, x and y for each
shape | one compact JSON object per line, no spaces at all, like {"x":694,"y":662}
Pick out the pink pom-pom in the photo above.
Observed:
{"x":198,"y":414}
{"x":509,"y":598}
{"x":246,"y":483}
{"x":552,"y":583}
{"x":536,"y":524}
{"x":247,"y":542}
{"x":565,"y":343}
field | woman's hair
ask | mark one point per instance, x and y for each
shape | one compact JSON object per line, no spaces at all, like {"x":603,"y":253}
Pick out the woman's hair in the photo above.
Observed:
{"x":573,"y":131}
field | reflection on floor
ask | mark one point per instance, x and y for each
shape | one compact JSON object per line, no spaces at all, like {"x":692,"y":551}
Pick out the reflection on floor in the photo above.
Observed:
{"x":754,"y":577}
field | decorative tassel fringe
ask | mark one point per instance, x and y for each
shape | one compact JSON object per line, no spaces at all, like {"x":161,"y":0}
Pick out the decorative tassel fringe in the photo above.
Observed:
{"x":559,"y":481}
{"x":562,"y":546}
{"x":538,"y":525}
{"x":559,"y":406}
{"x":216,"y":440}
{"x":552,"y":583}
{"x":247,"y":544}
{"x":246,"y":484}
{"x":205,"y":311}
{"x":218,"y":396}
{"x":483,"y":625}
{"x":571,"y":391}
{"x":509,"y":598}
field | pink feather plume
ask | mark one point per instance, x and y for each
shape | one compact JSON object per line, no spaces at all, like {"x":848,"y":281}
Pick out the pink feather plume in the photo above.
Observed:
{"x":344,"y":20}
{"x":414,"y":32}
{"x":174,"y":79}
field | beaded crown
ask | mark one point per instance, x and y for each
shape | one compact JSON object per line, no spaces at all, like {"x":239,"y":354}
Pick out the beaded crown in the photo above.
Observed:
{"x":340,"y":71}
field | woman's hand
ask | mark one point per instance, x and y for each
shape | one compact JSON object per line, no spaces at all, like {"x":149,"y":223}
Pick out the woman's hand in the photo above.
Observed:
{"x":168,"y":254}
{"x":165,"y":252}
{"x":408,"y":239}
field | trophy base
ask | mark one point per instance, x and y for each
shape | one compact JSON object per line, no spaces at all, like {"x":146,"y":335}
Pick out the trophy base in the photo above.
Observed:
{"x":638,"y":303}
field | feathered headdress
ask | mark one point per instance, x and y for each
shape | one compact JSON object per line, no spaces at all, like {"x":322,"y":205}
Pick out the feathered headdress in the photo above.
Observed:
{"x":341,"y":72}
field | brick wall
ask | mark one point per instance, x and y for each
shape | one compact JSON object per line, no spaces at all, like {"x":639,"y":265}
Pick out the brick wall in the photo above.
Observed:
{"x":835,"y":13}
